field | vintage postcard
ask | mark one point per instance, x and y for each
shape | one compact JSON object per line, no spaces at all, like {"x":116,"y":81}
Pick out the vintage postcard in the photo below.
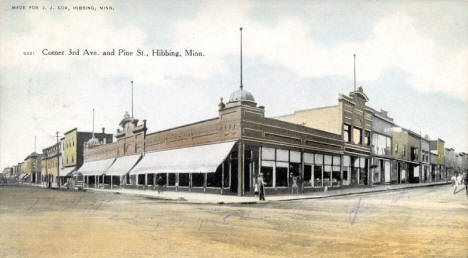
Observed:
{"x":233,"y":128}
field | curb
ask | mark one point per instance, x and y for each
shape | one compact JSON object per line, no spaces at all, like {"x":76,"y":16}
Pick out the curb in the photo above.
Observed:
{"x":178,"y":200}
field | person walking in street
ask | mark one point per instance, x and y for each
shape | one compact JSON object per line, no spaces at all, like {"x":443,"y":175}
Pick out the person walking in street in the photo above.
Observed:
{"x":261,"y":187}
{"x":454,"y":184}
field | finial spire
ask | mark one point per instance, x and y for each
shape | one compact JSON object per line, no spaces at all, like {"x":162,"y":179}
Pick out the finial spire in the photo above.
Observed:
{"x":132,"y":98}
{"x":241,"y":86}
{"x":34,"y":143}
{"x":354,"y":72}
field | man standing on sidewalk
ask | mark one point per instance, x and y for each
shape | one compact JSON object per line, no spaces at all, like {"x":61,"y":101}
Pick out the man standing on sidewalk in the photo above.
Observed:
{"x":261,"y":187}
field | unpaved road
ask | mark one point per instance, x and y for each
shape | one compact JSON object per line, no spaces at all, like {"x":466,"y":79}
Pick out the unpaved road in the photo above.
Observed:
{"x":420,"y":222}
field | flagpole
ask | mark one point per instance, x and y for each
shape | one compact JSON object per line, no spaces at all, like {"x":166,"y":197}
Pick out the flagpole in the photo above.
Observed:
{"x":241,"y":86}
{"x":354,"y":72}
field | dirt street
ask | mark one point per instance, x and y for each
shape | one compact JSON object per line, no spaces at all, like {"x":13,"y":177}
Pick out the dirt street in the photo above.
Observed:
{"x":431,"y":221}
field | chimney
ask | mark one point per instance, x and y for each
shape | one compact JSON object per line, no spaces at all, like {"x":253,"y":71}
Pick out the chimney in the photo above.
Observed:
{"x":144,"y":123}
{"x":103,"y":130}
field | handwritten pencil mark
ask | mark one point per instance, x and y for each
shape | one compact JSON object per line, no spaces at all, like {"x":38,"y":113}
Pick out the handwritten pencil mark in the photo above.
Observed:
{"x":355,"y":211}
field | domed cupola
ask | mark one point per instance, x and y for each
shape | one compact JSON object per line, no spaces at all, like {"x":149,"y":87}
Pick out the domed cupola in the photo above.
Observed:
{"x":93,"y":141}
{"x":241,"y":95}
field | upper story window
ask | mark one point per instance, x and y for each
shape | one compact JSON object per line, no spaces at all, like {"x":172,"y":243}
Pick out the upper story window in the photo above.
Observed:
{"x":346,"y":133}
{"x":414,"y":153}
{"x":367,"y":138}
{"x":357,"y":135}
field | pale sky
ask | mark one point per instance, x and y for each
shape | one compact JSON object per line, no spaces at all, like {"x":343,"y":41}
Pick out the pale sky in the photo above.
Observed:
{"x":412,"y":60}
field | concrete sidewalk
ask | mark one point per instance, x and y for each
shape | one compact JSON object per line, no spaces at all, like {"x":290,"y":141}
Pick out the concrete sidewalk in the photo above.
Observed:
{"x":191,"y":197}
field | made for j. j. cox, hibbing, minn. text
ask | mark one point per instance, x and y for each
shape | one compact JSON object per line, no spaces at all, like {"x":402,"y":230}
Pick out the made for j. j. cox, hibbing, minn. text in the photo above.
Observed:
{"x":118,"y":52}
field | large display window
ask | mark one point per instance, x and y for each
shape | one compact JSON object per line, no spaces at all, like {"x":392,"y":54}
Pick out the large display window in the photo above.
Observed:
{"x":318,"y":182}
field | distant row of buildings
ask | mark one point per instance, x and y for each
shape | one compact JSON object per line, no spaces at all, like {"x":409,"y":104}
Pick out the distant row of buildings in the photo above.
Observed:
{"x":345,"y":145}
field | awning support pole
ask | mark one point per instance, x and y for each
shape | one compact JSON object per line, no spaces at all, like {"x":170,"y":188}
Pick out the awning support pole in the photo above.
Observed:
{"x":205,"y":177}
{"x":222,"y":177}
{"x":146,"y":180}
{"x":240,"y":169}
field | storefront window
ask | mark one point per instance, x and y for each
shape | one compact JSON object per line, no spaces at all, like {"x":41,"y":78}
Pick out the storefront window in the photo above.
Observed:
{"x":282,"y":155}
{"x":327,"y":171}
{"x":268,"y":153}
{"x":357,"y":136}
{"x":363,"y":171}
{"x":149,"y":179}
{"x":281,"y":176}
{"x":267,"y":176}
{"x":183,"y":179}
{"x":309,"y":158}
{"x":307,"y":175}
{"x":346,"y":175}
{"x":198,"y":179}
{"x":172,"y":179}
{"x":318,"y":176}
{"x":141,"y":179}
{"x":336,"y":176}
{"x":214,"y":179}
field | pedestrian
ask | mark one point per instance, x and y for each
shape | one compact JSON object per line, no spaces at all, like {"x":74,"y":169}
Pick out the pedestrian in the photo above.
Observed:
{"x":454,"y":180}
{"x":294,"y":185}
{"x":466,"y":183}
{"x":160,"y":183}
{"x":261,"y":188}
{"x":454,"y":184}
{"x":256,"y":188}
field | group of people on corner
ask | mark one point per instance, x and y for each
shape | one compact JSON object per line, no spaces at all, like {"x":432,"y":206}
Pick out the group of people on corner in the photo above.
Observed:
{"x":459,"y":181}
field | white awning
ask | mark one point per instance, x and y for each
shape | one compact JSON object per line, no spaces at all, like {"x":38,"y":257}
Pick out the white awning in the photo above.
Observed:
{"x":66,"y":171}
{"x":24,"y":175}
{"x":198,"y":159}
{"x":123,"y":165}
{"x":96,"y":167}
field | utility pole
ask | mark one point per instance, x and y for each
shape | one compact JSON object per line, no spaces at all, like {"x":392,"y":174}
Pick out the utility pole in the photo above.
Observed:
{"x":132,"y":98}
{"x":58,"y":158}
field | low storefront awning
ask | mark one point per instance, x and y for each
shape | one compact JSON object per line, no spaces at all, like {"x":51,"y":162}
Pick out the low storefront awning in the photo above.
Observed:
{"x":66,"y":171}
{"x":198,"y":159}
{"x":96,"y":167}
{"x":24,"y":175}
{"x":123,"y":165}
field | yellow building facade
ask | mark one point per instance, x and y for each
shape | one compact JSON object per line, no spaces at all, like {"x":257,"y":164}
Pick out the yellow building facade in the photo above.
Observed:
{"x":328,"y":119}
{"x":70,"y":148}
